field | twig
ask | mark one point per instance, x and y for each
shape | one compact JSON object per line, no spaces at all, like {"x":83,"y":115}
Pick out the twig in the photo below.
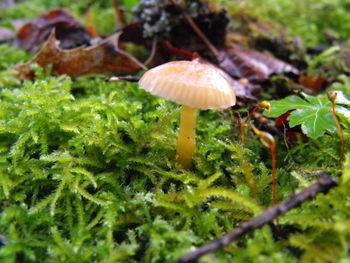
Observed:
{"x":197,"y":30}
{"x":323,"y":185}
{"x":124,"y":78}
{"x":153,"y":52}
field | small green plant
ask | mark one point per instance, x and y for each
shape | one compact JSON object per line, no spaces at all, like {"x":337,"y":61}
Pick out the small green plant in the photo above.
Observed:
{"x":312,"y":113}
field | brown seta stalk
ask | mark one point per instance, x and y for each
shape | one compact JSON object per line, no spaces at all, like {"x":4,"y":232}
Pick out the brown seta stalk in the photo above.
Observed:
{"x":332,"y":95}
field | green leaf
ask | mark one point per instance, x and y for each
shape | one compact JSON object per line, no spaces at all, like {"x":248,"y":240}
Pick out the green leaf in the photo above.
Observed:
{"x":313,"y":114}
{"x":278,"y":107}
{"x":341,"y":99}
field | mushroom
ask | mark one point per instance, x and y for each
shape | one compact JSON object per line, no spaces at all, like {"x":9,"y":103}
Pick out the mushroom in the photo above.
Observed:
{"x":194,"y":85}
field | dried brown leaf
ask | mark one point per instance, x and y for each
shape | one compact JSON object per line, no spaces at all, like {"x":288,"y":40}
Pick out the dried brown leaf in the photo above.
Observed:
{"x":69,"y":31}
{"x":274,"y":65}
{"x":6,"y":34}
{"x":313,"y":83}
{"x":104,"y":57}
{"x":253,"y":65}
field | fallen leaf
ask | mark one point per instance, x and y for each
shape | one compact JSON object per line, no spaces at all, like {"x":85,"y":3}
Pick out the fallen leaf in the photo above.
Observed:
{"x":252,"y":65}
{"x":6,"y":34}
{"x":274,"y":65}
{"x":315,"y":83}
{"x":239,"y":65}
{"x":104,"y":57}
{"x":133,"y":33}
{"x":69,"y":31}
{"x":282,"y":119}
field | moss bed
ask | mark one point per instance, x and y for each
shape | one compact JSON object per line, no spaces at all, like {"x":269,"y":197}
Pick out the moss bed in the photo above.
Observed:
{"x":87,"y":169}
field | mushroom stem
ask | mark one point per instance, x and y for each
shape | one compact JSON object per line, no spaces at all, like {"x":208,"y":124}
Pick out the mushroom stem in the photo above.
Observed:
{"x":186,"y":143}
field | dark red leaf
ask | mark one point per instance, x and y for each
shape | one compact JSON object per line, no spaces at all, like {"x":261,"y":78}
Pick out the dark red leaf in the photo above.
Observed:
{"x":69,"y":31}
{"x":294,"y":134}
{"x":178,"y":51}
{"x":133,"y":33}
{"x":315,"y":83}
{"x":282,"y":120}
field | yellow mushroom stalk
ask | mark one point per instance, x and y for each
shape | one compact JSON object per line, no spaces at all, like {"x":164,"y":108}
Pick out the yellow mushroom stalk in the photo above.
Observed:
{"x":194,"y":85}
{"x":186,"y":144}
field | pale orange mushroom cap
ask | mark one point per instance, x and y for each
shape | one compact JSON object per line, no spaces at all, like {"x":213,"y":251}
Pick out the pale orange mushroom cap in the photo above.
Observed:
{"x":191,"y":83}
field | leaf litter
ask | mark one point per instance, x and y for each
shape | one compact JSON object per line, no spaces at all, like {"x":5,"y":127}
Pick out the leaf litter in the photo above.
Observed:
{"x":70,"y":32}
{"x":104,"y":57}
{"x":163,"y":20}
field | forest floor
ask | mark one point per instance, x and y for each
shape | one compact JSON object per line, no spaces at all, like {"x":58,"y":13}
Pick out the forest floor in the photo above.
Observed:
{"x":87,"y":165}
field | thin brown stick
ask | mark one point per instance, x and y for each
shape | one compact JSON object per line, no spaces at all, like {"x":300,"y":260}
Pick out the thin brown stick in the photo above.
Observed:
{"x":198,"y":31}
{"x":245,"y":123}
{"x":153,"y":52}
{"x":274,"y":173}
{"x":323,"y":185}
{"x":332,"y":96}
{"x":124,"y":78}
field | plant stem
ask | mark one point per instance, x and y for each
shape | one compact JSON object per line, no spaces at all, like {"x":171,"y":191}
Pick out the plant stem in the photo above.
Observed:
{"x":245,"y":123}
{"x":274,"y":177}
{"x":186,"y":143}
{"x":332,"y":97}
{"x":268,"y":141}
{"x":263,"y":105}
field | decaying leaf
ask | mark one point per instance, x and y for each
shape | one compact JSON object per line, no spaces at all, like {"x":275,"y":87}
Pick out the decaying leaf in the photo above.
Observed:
{"x":69,"y":31}
{"x":245,"y":90}
{"x":252,"y":65}
{"x":314,"y":83}
{"x":6,"y":34}
{"x":274,"y":65}
{"x":105,"y":57}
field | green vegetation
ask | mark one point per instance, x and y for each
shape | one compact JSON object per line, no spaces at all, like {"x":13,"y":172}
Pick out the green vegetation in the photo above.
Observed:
{"x":312,"y":113}
{"x":87,"y":168}
{"x":307,"y":19}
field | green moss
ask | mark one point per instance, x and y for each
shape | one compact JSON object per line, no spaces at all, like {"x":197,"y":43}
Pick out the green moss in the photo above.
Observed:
{"x":307,"y":19}
{"x":87,"y":167}
{"x":87,"y":174}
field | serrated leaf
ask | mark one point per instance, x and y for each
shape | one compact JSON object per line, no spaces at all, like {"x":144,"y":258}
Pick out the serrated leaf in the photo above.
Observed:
{"x":313,"y":114}
{"x":278,"y":107}
{"x":341,"y":99}
{"x":342,"y":111}
{"x":314,"y":121}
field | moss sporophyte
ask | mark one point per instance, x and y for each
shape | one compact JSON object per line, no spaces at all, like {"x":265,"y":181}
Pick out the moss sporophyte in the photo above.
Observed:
{"x":268,"y":141}
{"x":194,"y":85}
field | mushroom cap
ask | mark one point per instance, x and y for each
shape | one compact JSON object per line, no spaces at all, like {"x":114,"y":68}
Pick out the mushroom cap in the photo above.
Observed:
{"x":191,"y":83}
